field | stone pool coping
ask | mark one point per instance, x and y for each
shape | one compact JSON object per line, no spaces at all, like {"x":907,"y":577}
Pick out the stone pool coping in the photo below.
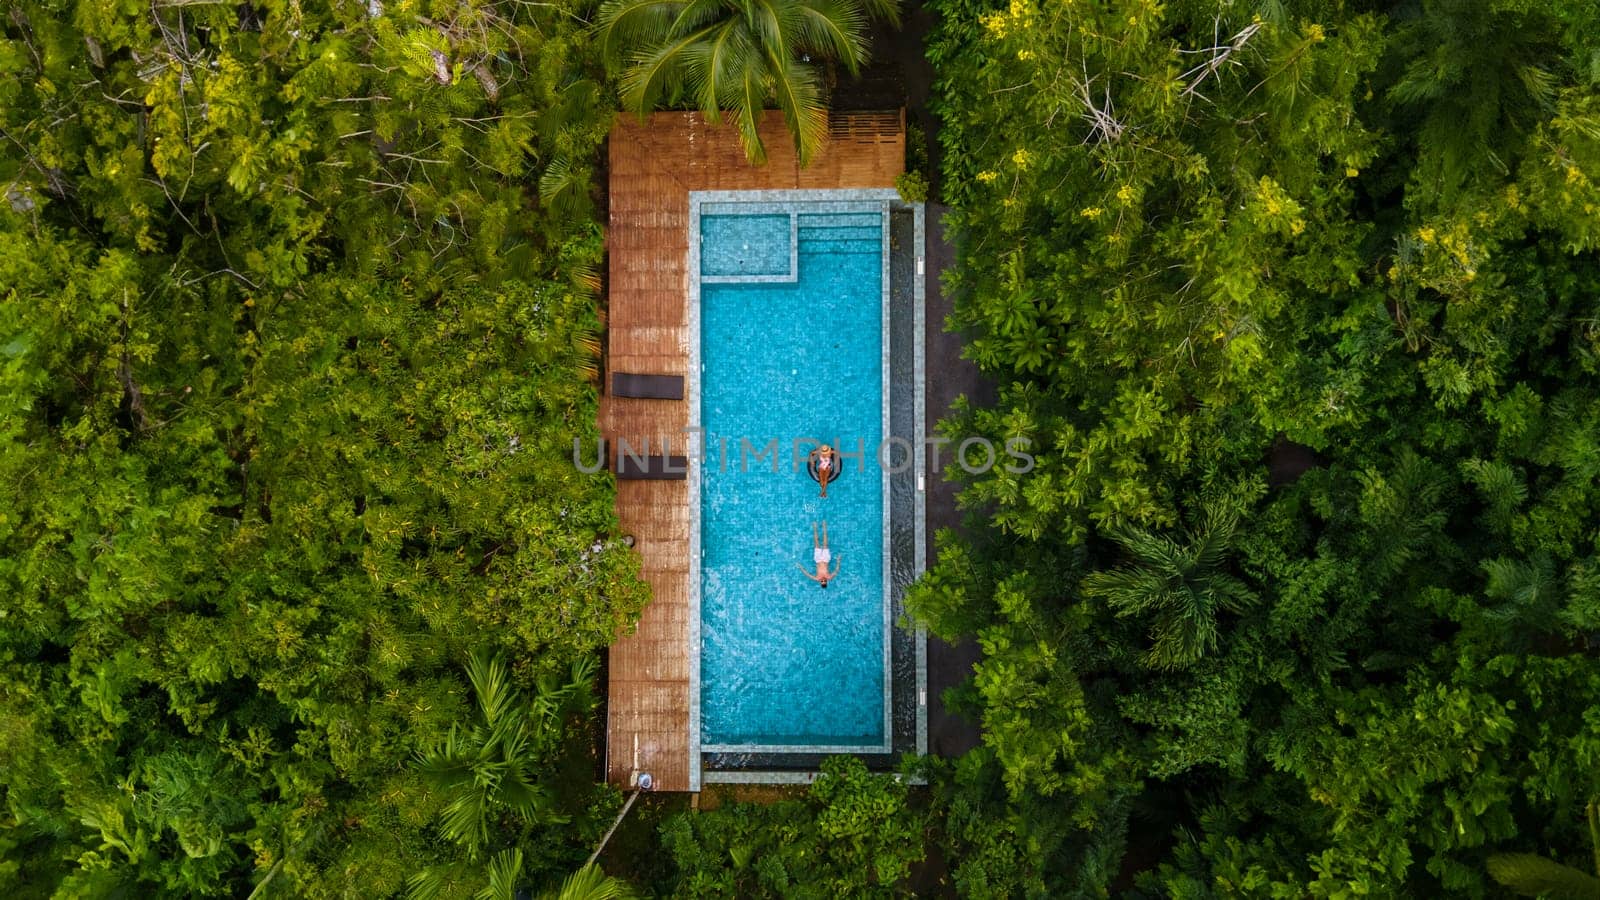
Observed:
{"x":814,"y":201}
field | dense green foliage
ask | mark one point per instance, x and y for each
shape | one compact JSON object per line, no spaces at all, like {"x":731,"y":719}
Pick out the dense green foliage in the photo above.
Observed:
{"x":1197,"y":238}
{"x":854,"y":834}
{"x":1298,"y":302}
{"x":292,"y":355}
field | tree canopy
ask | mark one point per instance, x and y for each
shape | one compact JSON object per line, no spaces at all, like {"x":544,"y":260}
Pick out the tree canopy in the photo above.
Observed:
{"x":1297,"y":301}
{"x":1199,"y":242}
{"x":299,"y":324}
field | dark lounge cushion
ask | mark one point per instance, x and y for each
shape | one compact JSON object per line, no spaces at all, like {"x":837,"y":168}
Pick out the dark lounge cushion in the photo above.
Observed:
{"x":647,"y":387}
{"x":652,"y":468}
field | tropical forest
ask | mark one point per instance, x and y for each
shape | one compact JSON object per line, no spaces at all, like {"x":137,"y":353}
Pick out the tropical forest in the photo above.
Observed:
{"x":303,"y":307}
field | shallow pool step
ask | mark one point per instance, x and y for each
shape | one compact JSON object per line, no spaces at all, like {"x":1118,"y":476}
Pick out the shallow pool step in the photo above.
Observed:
{"x":807,"y":235}
{"x":841,"y":248}
{"x":841,"y":220}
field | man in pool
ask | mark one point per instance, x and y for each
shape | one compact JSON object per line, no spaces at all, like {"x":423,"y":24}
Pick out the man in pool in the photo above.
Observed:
{"x":823,"y":459}
{"x":821,"y":556}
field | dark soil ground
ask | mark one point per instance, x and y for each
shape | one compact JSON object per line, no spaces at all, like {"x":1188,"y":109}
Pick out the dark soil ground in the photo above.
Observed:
{"x":899,"y":75}
{"x":634,"y":852}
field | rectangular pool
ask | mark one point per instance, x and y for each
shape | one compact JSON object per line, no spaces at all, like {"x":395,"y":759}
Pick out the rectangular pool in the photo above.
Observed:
{"x":792,"y":335}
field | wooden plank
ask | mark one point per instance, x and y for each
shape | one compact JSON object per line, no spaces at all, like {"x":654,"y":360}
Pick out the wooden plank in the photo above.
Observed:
{"x":657,"y":520}
{"x":647,"y":495}
{"x":675,"y":365}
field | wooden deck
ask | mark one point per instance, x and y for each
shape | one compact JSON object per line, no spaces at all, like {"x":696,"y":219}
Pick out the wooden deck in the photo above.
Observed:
{"x":654,"y":166}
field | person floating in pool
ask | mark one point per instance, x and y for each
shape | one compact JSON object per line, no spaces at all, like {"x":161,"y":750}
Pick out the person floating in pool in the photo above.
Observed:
{"x":823,"y":463}
{"x":821,"y":556}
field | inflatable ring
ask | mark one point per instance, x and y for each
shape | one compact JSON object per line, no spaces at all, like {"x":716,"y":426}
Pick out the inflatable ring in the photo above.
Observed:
{"x":811,"y":469}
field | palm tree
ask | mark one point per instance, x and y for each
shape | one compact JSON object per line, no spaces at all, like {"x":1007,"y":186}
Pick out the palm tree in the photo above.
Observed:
{"x":736,"y":56}
{"x":1180,"y":585}
{"x":488,"y":773}
{"x":1532,"y":875}
{"x":589,"y":883}
{"x":1479,"y":77}
{"x":488,"y":769}
{"x":499,"y":878}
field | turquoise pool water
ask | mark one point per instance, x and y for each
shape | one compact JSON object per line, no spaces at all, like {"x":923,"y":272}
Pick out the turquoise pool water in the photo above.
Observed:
{"x":745,"y":245}
{"x":784,"y":663}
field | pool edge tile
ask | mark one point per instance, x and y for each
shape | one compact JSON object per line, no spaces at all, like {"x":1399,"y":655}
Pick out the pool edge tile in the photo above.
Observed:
{"x":919,"y":412}
{"x":880,"y":200}
{"x":696,"y":465}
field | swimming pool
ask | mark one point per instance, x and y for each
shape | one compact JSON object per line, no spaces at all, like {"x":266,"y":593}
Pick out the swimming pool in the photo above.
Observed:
{"x":792,"y":326}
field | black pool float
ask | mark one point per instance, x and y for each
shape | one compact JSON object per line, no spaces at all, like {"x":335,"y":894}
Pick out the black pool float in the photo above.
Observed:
{"x":811,"y":469}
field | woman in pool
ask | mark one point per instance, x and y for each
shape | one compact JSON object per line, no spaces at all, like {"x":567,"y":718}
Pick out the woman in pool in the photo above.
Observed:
{"x":823,"y":460}
{"x":821,"y":556}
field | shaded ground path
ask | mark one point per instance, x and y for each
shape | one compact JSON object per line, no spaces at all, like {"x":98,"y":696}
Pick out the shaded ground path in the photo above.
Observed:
{"x":949,"y":734}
